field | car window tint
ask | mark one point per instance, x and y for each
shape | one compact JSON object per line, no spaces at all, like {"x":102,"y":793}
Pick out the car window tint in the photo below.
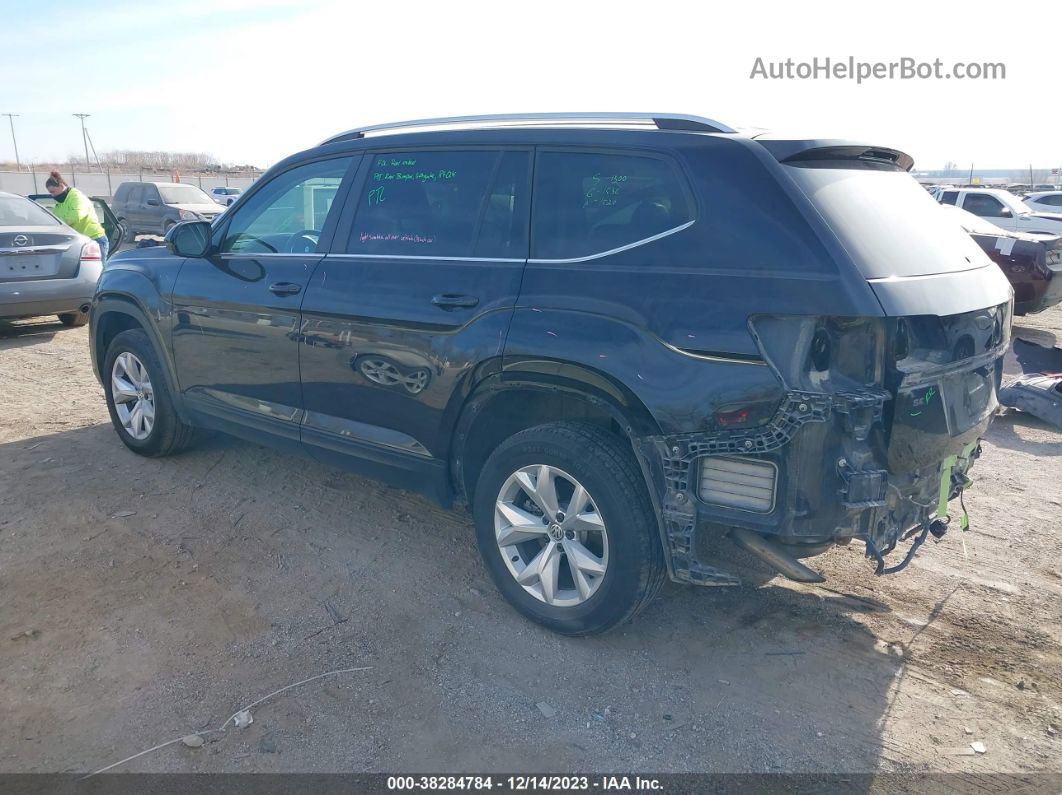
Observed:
{"x":295,"y":201}
{"x":136,"y":194}
{"x":983,"y":205}
{"x":592,"y":202}
{"x":17,"y":211}
{"x":1053,"y":201}
{"x":437,"y":203}
{"x":949,"y":197}
{"x":503,"y":222}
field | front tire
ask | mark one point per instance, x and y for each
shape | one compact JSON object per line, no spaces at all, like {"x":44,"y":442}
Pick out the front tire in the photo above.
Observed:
{"x":596,"y":561}
{"x":138,"y":398}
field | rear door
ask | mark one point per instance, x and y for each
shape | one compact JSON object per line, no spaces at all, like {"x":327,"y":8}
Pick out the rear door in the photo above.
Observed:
{"x":417,"y":291}
{"x":236,"y":336}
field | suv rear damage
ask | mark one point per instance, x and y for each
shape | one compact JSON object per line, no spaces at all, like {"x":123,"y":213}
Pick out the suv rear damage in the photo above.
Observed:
{"x":879,"y":423}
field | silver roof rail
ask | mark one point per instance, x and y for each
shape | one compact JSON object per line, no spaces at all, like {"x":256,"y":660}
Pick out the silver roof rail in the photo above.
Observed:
{"x":663,"y":121}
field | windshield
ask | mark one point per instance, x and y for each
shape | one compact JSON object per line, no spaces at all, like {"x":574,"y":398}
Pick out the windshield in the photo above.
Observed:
{"x":183,"y":194}
{"x":16,"y":211}
{"x":889,"y":225}
{"x":227,"y":191}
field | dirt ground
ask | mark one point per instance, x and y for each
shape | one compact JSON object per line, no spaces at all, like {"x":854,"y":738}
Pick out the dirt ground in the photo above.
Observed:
{"x":141,"y":600}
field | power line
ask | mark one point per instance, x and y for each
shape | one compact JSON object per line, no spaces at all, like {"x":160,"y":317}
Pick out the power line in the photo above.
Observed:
{"x":11,"y":121}
{"x":84,"y":137}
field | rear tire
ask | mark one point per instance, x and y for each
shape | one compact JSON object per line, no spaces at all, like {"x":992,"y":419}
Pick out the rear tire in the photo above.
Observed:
{"x":74,"y":319}
{"x":580,"y":456}
{"x":167,"y":434}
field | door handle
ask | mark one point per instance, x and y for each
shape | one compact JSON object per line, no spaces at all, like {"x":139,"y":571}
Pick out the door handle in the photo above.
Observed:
{"x":285,"y":288}
{"x":451,"y":302}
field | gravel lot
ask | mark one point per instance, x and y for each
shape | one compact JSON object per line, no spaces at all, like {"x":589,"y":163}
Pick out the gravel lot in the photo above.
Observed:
{"x":146,"y":599}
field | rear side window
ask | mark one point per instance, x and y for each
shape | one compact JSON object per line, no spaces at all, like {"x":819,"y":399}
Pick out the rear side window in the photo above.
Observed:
{"x":443,"y":204}
{"x":136,"y":194}
{"x":983,"y":205}
{"x":1052,"y":201}
{"x":949,"y":197}
{"x":592,"y":202}
{"x":122,"y":193}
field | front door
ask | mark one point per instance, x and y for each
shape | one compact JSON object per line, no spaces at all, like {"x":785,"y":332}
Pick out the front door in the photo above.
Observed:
{"x":236,"y":332}
{"x":417,"y":290}
{"x":989,"y":207}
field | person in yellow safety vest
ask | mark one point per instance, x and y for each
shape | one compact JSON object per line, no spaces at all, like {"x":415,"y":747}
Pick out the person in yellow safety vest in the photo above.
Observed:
{"x":75,"y":209}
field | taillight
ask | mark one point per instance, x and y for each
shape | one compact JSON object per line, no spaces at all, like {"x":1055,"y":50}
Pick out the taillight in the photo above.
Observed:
{"x":91,"y":252}
{"x":728,"y":419}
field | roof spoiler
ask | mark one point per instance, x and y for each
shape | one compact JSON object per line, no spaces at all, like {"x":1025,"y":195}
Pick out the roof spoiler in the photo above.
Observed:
{"x":808,"y":152}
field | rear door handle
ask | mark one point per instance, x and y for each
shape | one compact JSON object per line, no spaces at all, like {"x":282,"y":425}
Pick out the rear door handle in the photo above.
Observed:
{"x":285,"y":288}
{"x":450,"y":302}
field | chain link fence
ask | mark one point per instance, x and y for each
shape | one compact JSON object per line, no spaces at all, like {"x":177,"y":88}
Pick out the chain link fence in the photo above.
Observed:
{"x":104,"y":183}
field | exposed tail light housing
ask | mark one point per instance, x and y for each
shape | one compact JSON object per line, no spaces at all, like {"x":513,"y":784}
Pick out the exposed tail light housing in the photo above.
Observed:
{"x":729,"y":419}
{"x":90,"y":252}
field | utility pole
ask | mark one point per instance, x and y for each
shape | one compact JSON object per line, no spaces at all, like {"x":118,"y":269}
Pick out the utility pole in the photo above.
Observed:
{"x":11,"y":121}
{"x":84,"y":137}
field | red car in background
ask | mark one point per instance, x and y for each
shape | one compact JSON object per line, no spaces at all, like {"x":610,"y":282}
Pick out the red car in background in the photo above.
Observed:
{"x":1032,"y":263}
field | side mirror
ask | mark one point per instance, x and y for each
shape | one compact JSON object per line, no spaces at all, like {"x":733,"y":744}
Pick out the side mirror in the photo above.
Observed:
{"x":1006,"y":213}
{"x":153,"y":202}
{"x":189,"y":239}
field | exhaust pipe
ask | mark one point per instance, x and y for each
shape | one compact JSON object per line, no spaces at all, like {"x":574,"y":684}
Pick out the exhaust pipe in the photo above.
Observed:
{"x":85,"y":307}
{"x":774,"y":556}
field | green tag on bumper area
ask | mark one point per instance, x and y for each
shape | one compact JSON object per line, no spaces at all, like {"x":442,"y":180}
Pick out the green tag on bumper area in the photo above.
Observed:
{"x":945,"y":484}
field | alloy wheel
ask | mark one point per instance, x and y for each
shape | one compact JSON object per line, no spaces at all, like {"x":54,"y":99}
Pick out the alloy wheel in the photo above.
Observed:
{"x":551,"y":536}
{"x":133,"y":395}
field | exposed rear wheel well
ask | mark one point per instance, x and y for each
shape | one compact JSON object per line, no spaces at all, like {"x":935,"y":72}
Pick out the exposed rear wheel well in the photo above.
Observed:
{"x":514,"y":410}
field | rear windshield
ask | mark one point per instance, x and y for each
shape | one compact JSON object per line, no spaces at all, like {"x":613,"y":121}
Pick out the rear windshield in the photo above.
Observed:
{"x":16,"y":211}
{"x":887,"y":222}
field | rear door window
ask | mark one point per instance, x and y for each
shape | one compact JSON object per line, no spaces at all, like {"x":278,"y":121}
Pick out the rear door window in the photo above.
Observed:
{"x":461,"y":203}
{"x":135,"y":195}
{"x":589,"y":203}
{"x":949,"y":197}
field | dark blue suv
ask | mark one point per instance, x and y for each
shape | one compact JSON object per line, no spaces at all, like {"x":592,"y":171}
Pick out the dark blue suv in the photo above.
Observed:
{"x":621,"y":339}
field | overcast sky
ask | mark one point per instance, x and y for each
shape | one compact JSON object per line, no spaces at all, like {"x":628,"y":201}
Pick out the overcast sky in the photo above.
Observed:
{"x":254,"y":80}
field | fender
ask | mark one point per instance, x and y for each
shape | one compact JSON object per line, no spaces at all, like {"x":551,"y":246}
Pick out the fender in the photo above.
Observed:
{"x":120,"y":291}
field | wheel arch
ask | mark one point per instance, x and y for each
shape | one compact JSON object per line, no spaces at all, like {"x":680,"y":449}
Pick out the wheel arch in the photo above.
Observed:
{"x":113,"y":313}
{"x":504,"y":404}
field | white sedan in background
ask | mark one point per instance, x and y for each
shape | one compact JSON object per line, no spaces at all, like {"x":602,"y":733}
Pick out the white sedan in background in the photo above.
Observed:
{"x":1046,"y":201}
